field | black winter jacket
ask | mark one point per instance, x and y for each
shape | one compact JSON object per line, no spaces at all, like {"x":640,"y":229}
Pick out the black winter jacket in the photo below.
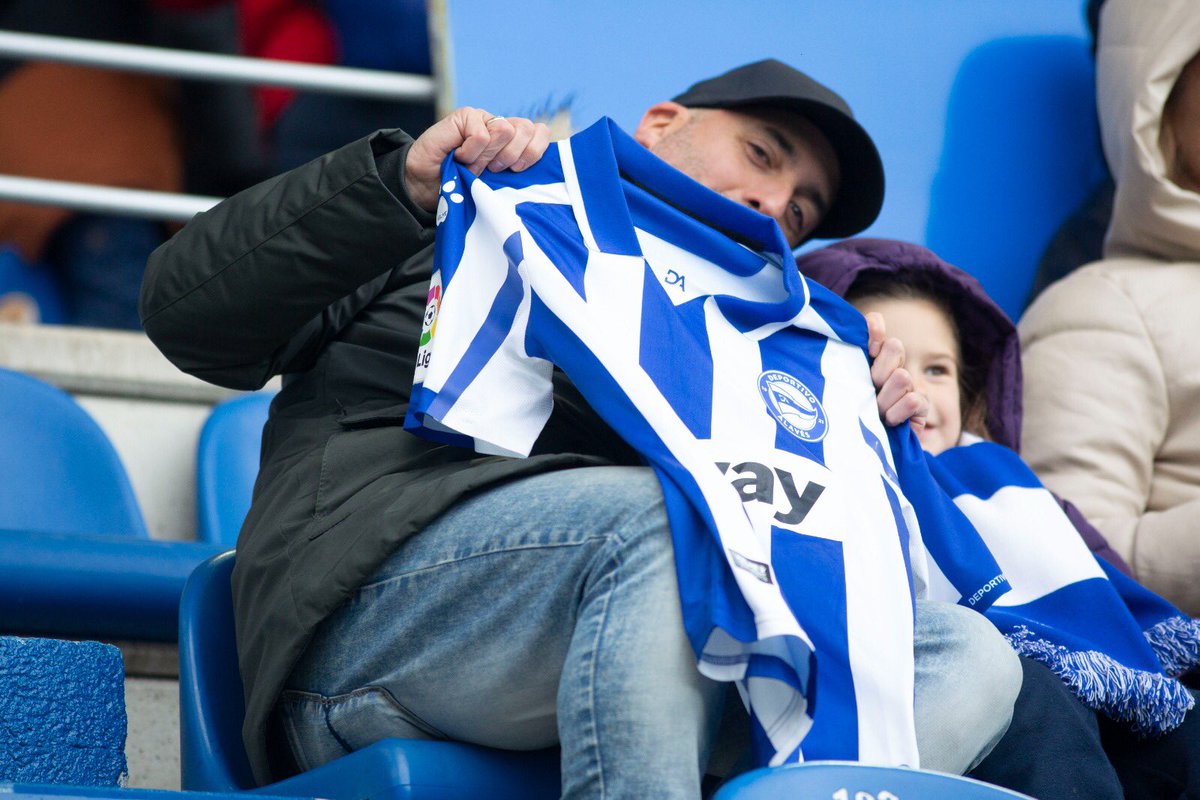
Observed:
{"x":321,"y":275}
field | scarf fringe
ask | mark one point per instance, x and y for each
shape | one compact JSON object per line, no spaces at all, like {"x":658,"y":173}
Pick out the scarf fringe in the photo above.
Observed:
{"x":1151,"y":703}
{"x":1176,"y":642}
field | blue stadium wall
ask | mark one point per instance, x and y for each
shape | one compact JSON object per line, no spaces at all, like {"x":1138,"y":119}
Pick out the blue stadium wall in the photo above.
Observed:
{"x":982,"y":109}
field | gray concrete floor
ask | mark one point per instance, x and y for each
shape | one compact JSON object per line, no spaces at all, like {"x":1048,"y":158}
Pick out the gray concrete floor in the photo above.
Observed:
{"x":152,"y":746}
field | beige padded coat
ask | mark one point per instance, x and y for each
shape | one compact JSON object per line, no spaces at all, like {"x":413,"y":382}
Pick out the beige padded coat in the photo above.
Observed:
{"x":1112,"y":352}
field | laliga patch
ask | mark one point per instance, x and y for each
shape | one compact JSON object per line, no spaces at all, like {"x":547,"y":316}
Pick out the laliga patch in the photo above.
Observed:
{"x":433,"y":304}
{"x":793,"y":406}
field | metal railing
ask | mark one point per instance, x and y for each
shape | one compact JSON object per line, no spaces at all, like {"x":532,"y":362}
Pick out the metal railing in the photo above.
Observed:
{"x":210,"y":66}
{"x":105,"y":199}
{"x":370,"y":83}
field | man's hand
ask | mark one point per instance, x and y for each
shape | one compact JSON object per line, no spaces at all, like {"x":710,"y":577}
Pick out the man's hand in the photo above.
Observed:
{"x":895,"y":392}
{"x":480,"y":140}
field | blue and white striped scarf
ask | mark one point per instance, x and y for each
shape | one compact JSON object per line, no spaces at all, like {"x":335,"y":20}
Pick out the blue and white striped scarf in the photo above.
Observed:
{"x":1114,"y":643}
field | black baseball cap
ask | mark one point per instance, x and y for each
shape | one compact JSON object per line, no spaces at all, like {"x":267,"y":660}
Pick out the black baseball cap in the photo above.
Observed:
{"x":774,"y":84}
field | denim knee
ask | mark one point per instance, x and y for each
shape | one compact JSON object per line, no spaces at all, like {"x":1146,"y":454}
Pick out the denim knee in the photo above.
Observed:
{"x":967,"y":681}
{"x":637,"y":542}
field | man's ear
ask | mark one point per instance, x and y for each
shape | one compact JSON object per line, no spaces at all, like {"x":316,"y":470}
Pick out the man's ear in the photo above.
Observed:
{"x":659,"y":121}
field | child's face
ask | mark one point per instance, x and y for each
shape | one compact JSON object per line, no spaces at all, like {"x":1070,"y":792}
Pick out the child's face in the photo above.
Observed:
{"x":931,"y":357}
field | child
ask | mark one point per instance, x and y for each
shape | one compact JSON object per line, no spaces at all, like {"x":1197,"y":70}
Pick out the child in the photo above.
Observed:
{"x":1113,"y":643}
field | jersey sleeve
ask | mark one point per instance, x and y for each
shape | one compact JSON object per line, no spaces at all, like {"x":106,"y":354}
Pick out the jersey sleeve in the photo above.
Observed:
{"x":475,"y":384}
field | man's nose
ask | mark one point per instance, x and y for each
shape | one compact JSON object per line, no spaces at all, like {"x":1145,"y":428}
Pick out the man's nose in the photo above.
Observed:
{"x":765,"y":202}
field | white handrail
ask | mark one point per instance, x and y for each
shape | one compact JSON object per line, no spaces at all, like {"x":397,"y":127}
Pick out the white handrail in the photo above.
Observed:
{"x":210,"y":66}
{"x":105,"y":199}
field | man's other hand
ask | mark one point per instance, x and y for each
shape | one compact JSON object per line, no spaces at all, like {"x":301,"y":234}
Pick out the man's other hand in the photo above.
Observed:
{"x":895,"y":391}
{"x":480,"y":140}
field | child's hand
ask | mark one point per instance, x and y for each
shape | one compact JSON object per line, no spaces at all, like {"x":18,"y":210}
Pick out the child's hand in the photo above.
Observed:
{"x":896,"y":394}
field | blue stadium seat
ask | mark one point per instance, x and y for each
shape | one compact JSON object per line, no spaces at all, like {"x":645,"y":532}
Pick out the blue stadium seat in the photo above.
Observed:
{"x":842,"y":780}
{"x":1022,"y":151}
{"x":59,"y":471}
{"x":211,"y":712}
{"x":227,"y":464}
{"x":76,"y":558}
{"x":47,"y":791}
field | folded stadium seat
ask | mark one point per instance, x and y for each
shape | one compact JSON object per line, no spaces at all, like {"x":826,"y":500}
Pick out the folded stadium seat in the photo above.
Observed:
{"x":63,"y":706}
{"x":211,"y":712}
{"x":227,"y":464}
{"x":844,"y":780}
{"x":76,"y":558}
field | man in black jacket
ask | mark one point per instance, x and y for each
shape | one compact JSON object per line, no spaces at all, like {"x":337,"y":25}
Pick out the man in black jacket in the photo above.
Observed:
{"x":386,"y":586}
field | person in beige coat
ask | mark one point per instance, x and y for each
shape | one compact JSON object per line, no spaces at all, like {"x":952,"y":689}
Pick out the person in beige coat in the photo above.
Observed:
{"x":1110,"y":353}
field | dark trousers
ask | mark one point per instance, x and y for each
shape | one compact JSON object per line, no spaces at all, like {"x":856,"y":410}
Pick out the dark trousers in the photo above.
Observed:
{"x":1156,"y":769}
{"x":1056,"y":747}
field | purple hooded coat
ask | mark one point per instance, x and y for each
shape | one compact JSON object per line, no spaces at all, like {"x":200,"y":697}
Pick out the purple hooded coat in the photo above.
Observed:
{"x":989,"y":338}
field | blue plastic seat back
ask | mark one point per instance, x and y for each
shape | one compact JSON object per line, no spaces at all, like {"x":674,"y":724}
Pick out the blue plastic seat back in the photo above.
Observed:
{"x":227,"y":464}
{"x":211,"y":711}
{"x":1021,"y":153}
{"x":58,"y":469}
{"x":841,"y":780}
{"x":211,"y":708}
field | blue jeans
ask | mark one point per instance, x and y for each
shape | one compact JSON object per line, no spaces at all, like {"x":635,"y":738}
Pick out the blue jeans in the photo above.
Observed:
{"x":546,"y":611}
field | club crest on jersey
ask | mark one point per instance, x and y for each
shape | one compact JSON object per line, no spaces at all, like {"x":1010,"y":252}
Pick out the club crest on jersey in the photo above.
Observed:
{"x":793,"y":406}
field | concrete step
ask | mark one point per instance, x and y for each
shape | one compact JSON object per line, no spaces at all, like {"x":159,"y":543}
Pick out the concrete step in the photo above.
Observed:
{"x":152,"y":747}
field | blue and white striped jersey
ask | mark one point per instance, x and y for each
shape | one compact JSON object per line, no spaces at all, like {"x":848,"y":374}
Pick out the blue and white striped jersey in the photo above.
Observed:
{"x":682,"y":319}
